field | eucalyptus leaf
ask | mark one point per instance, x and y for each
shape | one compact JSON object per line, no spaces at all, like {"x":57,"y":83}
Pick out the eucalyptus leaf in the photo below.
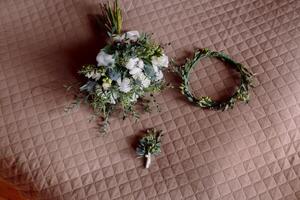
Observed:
{"x":114,"y":74}
{"x":149,"y":71}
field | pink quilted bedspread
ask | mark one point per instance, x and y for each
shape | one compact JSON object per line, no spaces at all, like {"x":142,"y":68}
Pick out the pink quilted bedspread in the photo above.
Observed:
{"x":249,"y":152}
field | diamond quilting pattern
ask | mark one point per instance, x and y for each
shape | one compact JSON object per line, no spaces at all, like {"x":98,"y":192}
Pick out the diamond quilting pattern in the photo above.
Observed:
{"x":250,"y":152}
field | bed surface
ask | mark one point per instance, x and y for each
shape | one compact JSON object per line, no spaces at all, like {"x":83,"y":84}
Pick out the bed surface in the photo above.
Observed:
{"x":249,"y":152}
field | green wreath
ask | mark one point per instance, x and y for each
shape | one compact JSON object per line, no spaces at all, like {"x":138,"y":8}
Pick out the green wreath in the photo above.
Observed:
{"x":241,"y":93}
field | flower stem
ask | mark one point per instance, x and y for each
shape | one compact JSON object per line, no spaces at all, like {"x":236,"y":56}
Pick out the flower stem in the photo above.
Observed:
{"x":148,"y":160}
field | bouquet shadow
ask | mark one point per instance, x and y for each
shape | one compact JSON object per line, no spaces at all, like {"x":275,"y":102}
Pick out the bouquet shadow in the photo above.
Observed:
{"x":85,"y":51}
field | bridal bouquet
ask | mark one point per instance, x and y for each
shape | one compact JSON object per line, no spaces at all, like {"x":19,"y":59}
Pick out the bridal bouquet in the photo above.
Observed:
{"x":128,"y":68}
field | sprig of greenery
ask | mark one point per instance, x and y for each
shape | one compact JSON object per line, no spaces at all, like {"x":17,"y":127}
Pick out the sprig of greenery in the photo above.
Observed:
{"x":149,"y":145}
{"x":112,"y":18}
{"x":241,"y":94}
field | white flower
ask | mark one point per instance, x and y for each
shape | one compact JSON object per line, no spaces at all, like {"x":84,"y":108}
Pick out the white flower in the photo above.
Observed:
{"x":162,"y":61}
{"x":159,"y":75}
{"x":135,"y":71}
{"x":132,"y":35}
{"x":143,"y":79}
{"x":146,"y":82}
{"x":105,"y":59}
{"x":124,"y":85}
{"x":132,"y":62}
{"x":155,"y":68}
{"x":139,"y":76}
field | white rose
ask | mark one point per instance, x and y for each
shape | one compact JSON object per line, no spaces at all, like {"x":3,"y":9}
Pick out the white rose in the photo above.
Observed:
{"x":124,"y":85}
{"x":132,"y":35}
{"x":135,"y":71}
{"x":139,"y":76}
{"x":146,"y":82}
{"x":159,"y":75}
{"x":162,"y":61}
{"x":132,"y":62}
{"x":105,"y":59}
{"x":155,"y":68}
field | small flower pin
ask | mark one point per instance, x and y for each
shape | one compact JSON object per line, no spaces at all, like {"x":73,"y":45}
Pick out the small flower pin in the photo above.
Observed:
{"x":150,"y":145}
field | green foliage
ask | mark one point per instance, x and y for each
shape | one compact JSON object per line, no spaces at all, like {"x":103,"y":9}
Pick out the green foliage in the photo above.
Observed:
{"x":87,"y":69}
{"x":112,"y":18}
{"x":104,"y":102}
{"x":241,"y":94}
{"x":150,"y":143}
{"x":146,"y":48}
{"x":105,"y":90}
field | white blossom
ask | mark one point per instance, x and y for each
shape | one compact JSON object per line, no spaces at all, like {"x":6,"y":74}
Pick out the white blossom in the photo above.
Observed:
{"x":132,"y":35}
{"x":155,"y":68}
{"x":139,"y":76}
{"x":143,"y":79}
{"x":162,"y":61}
{"x":124,"y":85}
{"x":159,"y":75}
{"x":146,"y":82}
{"x":135,"y":71}
{"x":134,"y":63}
{"x":105,"y":59}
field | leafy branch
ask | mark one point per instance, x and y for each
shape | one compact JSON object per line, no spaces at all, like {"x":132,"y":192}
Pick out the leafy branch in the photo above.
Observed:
{"x":112,"y":18}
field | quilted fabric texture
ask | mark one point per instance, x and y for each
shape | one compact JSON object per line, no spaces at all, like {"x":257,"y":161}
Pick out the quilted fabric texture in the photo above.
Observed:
{"x":250,"y":152}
